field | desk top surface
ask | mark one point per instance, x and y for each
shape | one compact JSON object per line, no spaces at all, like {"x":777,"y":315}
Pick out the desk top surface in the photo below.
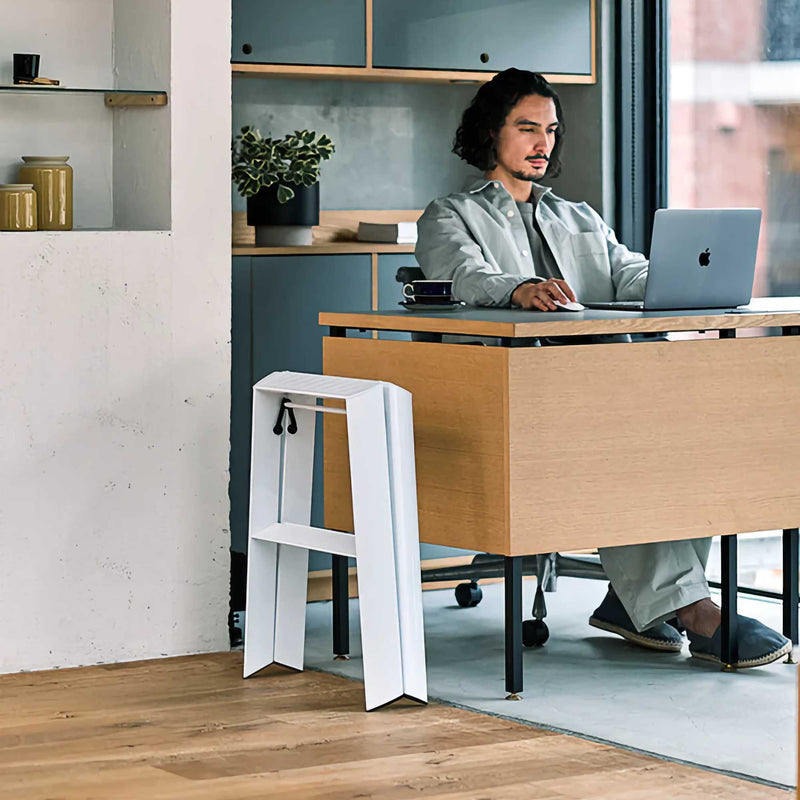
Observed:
{"x":514,"y":323}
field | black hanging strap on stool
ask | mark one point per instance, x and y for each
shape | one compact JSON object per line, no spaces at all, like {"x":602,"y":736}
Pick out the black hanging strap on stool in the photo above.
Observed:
{"x":292,"y":427}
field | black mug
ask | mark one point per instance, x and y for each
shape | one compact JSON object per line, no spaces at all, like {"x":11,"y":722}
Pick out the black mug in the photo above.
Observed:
{"x":26,"y":65}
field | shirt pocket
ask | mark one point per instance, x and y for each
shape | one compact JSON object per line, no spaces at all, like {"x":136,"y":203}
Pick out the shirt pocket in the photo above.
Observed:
{"x":588,"y":244}
{"x":590,"y":253}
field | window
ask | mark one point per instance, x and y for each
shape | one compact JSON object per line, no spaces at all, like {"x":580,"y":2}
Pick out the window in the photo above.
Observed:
{"x":734,"y":121}
{"x":782,"y":41}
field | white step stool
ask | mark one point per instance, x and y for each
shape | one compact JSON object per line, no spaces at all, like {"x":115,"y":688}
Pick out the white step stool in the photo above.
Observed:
{"x":386,"y":539}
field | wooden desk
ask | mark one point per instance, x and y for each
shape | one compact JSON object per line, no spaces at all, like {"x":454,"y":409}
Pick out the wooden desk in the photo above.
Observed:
{"x":625,"y":443}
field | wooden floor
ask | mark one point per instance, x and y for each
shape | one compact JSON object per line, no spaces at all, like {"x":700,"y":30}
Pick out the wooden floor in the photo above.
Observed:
{"x":192,"y":728}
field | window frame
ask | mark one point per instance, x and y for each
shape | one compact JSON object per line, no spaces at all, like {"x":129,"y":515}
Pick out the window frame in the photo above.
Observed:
{"x":641,"y":114}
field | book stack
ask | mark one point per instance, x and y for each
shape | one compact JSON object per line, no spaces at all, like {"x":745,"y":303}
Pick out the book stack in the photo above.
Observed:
{"x":392,"y":232}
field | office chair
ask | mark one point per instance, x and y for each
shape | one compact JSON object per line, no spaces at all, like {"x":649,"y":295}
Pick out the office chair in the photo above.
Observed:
{"x":547,"y":567}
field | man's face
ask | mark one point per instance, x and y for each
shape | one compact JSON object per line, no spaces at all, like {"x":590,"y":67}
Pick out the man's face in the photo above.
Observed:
{"x":524,"y":143}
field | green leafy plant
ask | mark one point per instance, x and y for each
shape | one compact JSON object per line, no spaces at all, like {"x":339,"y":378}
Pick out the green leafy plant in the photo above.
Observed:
{"x":294,"y":159}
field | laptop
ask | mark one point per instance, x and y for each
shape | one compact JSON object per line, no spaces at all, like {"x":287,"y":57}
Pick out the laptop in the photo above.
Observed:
{"x":699,"y":258}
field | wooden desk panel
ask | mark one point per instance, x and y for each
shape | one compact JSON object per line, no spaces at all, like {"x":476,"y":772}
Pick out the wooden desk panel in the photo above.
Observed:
{"x":460,"y":435}
{"x":530,"y":450}
{"x":616,"y":444}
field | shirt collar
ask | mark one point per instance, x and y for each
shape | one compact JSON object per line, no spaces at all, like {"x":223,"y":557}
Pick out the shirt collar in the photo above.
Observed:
{"x":479,"y":184}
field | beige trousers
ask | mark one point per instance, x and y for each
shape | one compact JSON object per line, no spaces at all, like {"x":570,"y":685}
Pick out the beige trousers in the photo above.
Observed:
{"x":653,"y":580}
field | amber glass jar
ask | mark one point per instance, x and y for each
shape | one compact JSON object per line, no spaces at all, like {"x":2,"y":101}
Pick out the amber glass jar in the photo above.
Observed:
{"x":17,"y":207}
{"x":51,"y":177}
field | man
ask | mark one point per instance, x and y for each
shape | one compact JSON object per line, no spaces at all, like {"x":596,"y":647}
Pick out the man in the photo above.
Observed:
{"x":508,"y":241}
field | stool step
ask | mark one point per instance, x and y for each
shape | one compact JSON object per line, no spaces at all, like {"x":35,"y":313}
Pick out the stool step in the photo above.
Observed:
{"x":337,"y":542}
{"x":326,"y":386}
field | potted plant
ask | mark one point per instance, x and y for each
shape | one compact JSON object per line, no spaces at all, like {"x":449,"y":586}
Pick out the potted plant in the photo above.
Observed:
{"x":280,"y":179}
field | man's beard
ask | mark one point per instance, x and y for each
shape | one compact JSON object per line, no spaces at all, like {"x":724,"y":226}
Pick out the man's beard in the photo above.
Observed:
{"x":521,"y":175}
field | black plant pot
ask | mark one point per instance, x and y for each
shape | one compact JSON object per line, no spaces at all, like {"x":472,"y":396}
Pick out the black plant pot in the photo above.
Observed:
{"x":284,"y":223}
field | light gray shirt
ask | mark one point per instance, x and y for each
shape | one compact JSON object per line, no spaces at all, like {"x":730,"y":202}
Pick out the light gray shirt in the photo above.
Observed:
{"x":478,"y":239}
{"x":544,"y":262}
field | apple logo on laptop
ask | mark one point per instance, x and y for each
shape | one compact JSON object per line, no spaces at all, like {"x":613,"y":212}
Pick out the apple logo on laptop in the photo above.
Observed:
{"x":705,"y":258}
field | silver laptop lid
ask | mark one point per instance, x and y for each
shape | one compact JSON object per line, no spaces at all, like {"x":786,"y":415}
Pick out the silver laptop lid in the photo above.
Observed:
{"x":702,"y":258}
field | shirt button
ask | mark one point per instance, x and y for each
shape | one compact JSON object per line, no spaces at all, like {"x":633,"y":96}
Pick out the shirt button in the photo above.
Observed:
{"x":496,"y":185}
{"x":510,"y":213}
{"x":524,"y":252}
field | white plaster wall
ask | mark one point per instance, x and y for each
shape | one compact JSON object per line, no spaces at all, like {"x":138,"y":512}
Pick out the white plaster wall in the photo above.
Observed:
{"x":74,"y":40}
{"x":114,"y":405}
{"x":142,"y":172}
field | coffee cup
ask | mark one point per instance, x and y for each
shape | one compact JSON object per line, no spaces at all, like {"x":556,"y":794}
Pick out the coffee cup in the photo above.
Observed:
{"x":26,"y":66}
{"x":429,"y":291}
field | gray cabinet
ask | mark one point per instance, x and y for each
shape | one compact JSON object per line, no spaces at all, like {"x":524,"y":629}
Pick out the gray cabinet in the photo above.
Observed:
{"x":288,"y":294}
{"x":318,"y":32}
{"x":275,"y":303}
{"x":486,"y":35}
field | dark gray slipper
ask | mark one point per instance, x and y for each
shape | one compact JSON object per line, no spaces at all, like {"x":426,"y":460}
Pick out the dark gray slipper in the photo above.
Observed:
{"x":758,"y":644}
{"x":611,"y":616}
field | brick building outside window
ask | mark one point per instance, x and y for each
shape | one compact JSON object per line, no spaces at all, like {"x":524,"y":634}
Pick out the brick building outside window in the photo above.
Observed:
{"x":734,"y":121}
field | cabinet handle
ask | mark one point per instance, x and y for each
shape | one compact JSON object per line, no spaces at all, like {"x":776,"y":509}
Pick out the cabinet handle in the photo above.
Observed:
{"x":247,"y":49}
{"x":484,"y":57}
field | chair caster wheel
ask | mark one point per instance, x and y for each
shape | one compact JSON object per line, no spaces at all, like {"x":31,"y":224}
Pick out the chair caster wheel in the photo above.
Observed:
{"x":534,"y":632}
{"x":468,"y":594}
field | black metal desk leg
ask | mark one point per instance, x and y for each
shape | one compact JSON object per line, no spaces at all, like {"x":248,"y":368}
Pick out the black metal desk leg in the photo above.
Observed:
{"x":341,"y":619}
{"x":513,"y":589}
{"x":790,"y":556}
{"x":730,"y":586}
{"x":790,"y":587}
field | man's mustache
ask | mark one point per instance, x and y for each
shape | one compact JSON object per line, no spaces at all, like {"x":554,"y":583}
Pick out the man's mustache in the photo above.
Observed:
{"x":538,"y":158}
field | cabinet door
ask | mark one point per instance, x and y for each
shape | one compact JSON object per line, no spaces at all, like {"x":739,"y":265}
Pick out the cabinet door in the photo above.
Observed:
{"x":321,"y":32}
{"x":487,"y":35}
{"x":287,"y":295}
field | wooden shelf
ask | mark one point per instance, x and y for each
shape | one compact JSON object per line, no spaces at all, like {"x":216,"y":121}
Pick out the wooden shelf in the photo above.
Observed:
{"x":381,"y":74}
{"x":336,"y":234}
{"x":324,"y":248}
{"x":112,"y":97}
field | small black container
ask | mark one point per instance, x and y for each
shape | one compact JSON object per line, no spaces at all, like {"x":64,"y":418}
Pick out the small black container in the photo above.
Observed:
{"x":26,"y":65}
{"x":303,"y":209}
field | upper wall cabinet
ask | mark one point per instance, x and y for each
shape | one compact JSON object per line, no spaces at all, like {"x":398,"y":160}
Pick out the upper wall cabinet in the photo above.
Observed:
{"x":317,"y":32}
{"x":484,"y":35}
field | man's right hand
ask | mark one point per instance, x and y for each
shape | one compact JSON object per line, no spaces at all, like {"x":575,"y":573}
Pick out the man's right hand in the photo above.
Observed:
{"x":541,"y":296}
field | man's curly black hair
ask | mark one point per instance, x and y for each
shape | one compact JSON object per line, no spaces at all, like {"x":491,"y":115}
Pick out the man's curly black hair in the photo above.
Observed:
{"x":488,"y":111}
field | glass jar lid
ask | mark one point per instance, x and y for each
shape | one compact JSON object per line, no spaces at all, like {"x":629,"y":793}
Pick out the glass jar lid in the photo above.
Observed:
{"x":43,"y":159}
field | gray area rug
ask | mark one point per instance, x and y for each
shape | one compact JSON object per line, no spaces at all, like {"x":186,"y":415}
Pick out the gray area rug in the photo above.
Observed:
{"x":595,"y":684}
